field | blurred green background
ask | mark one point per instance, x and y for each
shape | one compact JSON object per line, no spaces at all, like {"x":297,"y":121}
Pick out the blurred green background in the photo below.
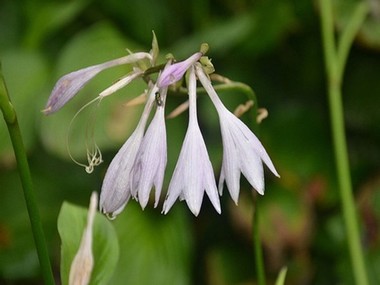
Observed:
{"x":272,"y":45}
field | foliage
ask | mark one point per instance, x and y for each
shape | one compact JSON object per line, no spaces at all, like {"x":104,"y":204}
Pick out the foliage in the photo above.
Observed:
{"x":105,"y":248}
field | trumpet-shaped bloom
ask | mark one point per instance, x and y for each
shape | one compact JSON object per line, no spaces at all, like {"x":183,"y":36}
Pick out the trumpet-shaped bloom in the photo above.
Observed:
{"x":175,"y":72}
{"x":116,"y":188}
{"x":193,"y":173}
{"x":242,"y":151}
{"x":149,"y":168}
{"x":70,"y":84}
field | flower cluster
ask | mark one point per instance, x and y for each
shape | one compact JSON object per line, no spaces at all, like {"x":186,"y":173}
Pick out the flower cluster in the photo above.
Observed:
{"x":139,"y":166}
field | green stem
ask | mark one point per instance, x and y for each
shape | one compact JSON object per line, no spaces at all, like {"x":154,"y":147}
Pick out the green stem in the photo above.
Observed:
{"x":26,"y":180}
{"x":348,"y":35}
{"x":258,"y":252}
{"x":335,"y":62}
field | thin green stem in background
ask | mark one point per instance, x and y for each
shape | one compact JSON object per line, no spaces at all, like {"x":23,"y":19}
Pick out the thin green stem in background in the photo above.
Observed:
{"x":335,"y":60}
{"x":26,"y":180}
{"x":258,"y":252}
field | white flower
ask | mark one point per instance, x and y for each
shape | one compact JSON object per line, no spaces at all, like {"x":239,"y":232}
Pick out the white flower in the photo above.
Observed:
{"x":242,"y":151}
{"x":193,"y":173}
{"x":150,"y":164}
{"x":116,"y":188}
{"x":70,"y":84}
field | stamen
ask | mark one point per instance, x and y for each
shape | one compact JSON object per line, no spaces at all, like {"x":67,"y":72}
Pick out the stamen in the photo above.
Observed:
{"x":94,"y":155}
{"x":243,"y":108}
{"x":262,"y":113}
{"x":94,"y":158}
{"x":179,"y":110}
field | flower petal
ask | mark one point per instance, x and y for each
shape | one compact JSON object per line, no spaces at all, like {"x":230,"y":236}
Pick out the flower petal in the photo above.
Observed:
{"x":150,"y":164}
{"x":193,"y":173}
{"x":116,"y":188}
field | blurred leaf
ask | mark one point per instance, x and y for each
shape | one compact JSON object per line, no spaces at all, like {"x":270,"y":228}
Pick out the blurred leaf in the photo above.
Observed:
{"x":18,"y":257}
{"x":9,"y":24}
{"x":49,"y":17}
{"x":228,"y":264}
{"x":155,"y":249}
{"x":221,"y":37}
{"x":25,"y":74}
{"x":111,"y":121}
{"x":71,"y":224}
{"x":272,"y":21}
{"x":369,"y":34}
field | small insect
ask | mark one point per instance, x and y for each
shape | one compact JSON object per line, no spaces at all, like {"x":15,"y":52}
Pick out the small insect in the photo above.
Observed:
{"x":158,"y":99}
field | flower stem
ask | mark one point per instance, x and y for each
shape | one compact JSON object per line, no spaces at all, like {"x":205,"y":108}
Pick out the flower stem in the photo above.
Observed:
{"x":258,"y":252}
{"x":335,"y":59}
{"x":18,"y":146}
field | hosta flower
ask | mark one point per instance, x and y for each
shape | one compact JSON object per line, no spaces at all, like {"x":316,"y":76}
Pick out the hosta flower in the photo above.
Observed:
{"x":116,"y":188}
{"x":150,"y":164}
{"x":242,"y":151}
{"x":139,"y":165}
{"x":70,"y":84}
{"x":193,"y":173}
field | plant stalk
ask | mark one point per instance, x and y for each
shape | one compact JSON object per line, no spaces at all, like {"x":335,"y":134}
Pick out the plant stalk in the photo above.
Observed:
{"x":10,"y":118}
{"x":335,"y":60}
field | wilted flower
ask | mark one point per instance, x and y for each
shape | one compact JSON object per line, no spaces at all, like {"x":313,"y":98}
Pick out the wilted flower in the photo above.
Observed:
{"x":242,"y":151}
{"x":193,"y":173}
{"x":70,"y":84}
{"x":116,"y":188}
{"x":150,"y":164}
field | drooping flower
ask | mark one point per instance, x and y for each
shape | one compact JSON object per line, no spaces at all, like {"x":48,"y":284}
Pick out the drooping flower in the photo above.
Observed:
{"x":70,"y":84}
{"x":242,"y":151}
{"x":116,"y":188}
{"x":175,"y":72}
{"x":149,"y":168}
{"x":193,"y":173}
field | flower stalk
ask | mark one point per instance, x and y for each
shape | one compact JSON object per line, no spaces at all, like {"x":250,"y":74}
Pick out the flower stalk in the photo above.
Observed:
{"x":10,"y":118}
{"x":335,"y":59}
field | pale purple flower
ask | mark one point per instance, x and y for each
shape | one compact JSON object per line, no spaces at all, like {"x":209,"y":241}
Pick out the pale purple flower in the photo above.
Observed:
{"x":175,"y":72}
{"x":242,"y":151}
{"x":70,"y":84}
{"x":150,"y":164}
{"x":116,"y":188}
{"x":193,"y":173}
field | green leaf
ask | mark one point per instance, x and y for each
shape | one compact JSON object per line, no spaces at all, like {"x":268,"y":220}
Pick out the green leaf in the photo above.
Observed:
{"x":25,"y":74}
{"x":49,"y":17}
{"x":71,"y":224}
{"x":369,"y":33}
{"x":281,"y":276}
{"x":154,"y":249}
